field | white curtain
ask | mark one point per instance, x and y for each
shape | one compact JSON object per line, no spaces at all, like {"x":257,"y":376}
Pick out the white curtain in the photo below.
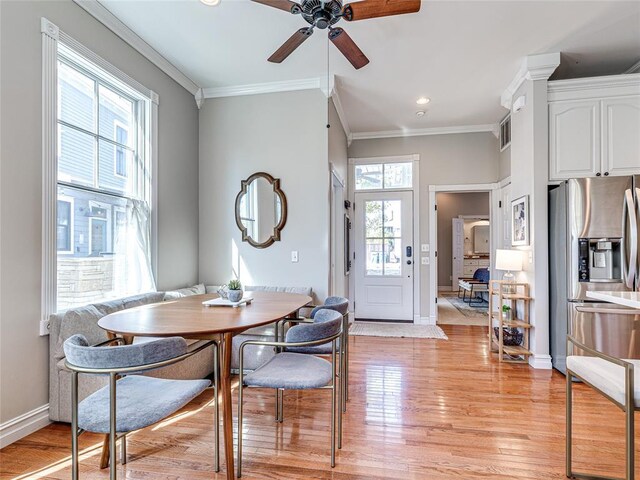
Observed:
{"x":132,"y":264}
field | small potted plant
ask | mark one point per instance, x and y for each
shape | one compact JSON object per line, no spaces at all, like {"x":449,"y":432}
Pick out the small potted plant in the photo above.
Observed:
{"x":506,"y":312}
{"x":234,"y":290}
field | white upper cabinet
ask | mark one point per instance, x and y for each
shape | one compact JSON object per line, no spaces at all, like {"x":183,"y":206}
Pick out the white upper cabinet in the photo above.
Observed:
{"x":594,"y":127}
{"x":574,"y":139}
{"x":621,"y":135}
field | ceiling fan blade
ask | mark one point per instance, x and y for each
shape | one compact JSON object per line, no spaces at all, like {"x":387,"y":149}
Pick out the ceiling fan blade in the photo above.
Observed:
{"x":347,"y":46}
{"x":379,"y":8}
{"x":285,"y":5}
{"x":290,"y":45}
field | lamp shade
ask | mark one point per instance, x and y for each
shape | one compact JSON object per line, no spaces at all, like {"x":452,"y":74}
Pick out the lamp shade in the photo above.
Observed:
{"x":510,"y":260}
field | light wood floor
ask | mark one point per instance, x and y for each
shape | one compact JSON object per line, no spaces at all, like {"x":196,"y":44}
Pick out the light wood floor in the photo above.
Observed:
{"x":419,"y":409}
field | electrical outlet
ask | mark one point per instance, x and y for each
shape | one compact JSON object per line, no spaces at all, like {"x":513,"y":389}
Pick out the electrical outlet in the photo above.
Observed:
{"x":44,"y":327}
{"x":424,"y":247}
{"x":425,"y":260}
{"x":294,"y":256}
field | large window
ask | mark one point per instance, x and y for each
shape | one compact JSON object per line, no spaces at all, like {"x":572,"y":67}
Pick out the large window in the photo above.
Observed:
{"x":103,"y":220}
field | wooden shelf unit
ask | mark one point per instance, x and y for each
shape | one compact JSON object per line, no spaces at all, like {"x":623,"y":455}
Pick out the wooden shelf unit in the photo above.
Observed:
{"x":515,"y":295}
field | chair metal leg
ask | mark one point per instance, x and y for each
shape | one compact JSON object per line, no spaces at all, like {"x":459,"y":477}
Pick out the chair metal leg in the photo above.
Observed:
{"x":113,"y":453}
{"x":333,"y":409}
{"x":281,"y":402}
{"x":123,"y":450}
{"x":569,"y":401}
{"x":74,"y":426}
{"x":240,"y":388}
{"x":341,"y":401}
{"x":630,"y":411}
{"x":216,"y":411}
{"x":277,"y":416}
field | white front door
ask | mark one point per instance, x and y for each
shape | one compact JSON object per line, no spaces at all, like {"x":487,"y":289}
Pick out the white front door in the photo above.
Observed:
{"x":384,"y":255}
{"x":457,"y":251}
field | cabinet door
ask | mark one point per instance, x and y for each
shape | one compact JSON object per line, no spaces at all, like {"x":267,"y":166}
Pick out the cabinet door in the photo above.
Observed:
{"x":621,"y":135}
{"x":574,"y":139}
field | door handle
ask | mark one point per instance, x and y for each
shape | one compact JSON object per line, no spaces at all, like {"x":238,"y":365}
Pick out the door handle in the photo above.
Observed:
{"x":612,"y":311}
{"x":630,"y":262}
{"x":409,"y":262}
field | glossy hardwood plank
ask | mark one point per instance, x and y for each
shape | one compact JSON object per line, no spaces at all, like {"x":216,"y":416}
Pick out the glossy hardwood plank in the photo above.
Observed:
{"x":419,"y":409}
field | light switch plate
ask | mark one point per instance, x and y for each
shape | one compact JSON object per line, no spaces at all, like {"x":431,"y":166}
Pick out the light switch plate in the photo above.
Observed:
{"x":294,"y":256}
{"x":424,"y":247}
{"x":530,"y":256}
{"x":425,"y":260}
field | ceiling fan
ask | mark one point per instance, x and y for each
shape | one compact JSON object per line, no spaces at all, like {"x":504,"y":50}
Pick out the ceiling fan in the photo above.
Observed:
{"x":324,"y":14}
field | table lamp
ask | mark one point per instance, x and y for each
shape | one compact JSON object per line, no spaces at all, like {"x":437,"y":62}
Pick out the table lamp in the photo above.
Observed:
{"x":509,"y":260}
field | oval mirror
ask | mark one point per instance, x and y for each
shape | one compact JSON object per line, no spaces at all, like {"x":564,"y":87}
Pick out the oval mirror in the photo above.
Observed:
{"x":261,"y":210}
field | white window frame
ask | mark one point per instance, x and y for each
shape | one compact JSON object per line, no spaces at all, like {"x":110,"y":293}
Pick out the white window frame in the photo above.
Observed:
{"x":117,"y":124}
{"x":71,"y":202}
{"x":52,"y":37}
{"x":382,"y":161}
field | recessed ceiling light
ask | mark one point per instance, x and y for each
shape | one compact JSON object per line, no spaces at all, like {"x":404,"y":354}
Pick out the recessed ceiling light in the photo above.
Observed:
{"x":420,"y":113}
{"x":211,"y":3}
{"x":423,"y":101}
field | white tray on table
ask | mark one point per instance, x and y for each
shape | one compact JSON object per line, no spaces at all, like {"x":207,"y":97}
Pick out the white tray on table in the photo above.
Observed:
{"x":223,"y":302}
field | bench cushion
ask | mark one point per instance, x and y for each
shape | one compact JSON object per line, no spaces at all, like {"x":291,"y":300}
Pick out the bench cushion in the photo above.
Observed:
{"x":605,"y":376}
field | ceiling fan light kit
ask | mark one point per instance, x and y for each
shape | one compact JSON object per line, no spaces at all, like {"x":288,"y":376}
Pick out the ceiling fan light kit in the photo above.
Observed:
{"x":210,"y":3}
{"x":324,"y":14}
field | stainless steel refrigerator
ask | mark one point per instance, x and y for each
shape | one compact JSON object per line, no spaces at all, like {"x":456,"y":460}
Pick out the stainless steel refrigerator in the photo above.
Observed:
{"x":593,"y":246}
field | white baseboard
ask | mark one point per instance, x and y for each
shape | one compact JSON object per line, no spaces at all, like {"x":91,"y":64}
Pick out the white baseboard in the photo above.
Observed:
{"x":27,"y":423}
{"x":543,"y":362}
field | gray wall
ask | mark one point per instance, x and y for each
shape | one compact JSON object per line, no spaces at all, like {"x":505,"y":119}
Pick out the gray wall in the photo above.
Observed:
{"x":444,"y":159}
{"x":450,"y":205}
{"x":504,"y":169}
{"x":285,"y":135}
{"x":24,"y":354}
{"x":338,"y":157}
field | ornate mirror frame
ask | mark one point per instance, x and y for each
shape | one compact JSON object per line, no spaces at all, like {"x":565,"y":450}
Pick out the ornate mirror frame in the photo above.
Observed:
{"x":275,"y":183}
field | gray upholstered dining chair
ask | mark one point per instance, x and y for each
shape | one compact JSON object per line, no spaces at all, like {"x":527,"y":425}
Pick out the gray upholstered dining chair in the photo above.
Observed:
{"x":340,"y":305}
{"x":296,"y":371}
{"x":131,"y":401}
{"x":615,"y":379}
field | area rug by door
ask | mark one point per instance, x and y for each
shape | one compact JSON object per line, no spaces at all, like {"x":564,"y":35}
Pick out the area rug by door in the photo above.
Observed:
{"x":398,"y":330}
{"x":464,"y":308}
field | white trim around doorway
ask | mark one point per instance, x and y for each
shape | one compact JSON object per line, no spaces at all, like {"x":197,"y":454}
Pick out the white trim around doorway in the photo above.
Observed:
{"x":433,"y":234}
{"x":415,"y":158}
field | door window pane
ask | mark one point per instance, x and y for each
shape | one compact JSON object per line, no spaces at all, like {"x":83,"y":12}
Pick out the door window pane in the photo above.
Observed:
{"x":76,"y":104}
{"x":99,"y":239}
{"x":398,"y":175}
{"x":392,"y":256}
{"x":373,"y":219}
{"x":392,"y":220}
{"x":374,"y":256}
{"x":368,"y":177}
{"x":76,"y":156}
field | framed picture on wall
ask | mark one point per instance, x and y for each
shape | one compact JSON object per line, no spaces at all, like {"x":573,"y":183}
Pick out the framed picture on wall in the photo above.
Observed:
{"x":520,"y":221}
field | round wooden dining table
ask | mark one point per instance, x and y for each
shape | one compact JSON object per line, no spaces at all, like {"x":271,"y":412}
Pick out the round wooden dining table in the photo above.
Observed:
{"x":187,"y":317}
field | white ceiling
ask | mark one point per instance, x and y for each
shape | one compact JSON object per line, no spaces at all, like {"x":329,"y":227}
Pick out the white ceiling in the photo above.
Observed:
{"x":461,"y":54}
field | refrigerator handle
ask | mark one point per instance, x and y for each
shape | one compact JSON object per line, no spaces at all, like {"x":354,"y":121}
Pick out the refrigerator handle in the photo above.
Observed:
{"x":612,"y":311}
{"x":630,"y":263}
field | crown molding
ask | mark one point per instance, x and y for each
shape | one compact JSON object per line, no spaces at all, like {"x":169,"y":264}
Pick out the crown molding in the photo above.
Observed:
{"x":491,"y":127}
{"x":113,"y":23}
{"x":268,"y":87}
{"x":635,"y":68}
{"x":534,"y":67}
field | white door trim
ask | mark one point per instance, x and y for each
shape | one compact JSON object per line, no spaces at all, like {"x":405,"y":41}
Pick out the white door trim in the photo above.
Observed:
{"x":333,"y":175}
{"x":415,"y":158}
{"x":433,"y":233}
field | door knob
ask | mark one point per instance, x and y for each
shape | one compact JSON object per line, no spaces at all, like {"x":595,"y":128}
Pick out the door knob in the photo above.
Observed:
{"x":409,"y":262}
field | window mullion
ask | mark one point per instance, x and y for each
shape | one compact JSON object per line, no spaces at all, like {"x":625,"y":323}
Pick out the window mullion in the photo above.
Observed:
{"x":96,"y":162}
